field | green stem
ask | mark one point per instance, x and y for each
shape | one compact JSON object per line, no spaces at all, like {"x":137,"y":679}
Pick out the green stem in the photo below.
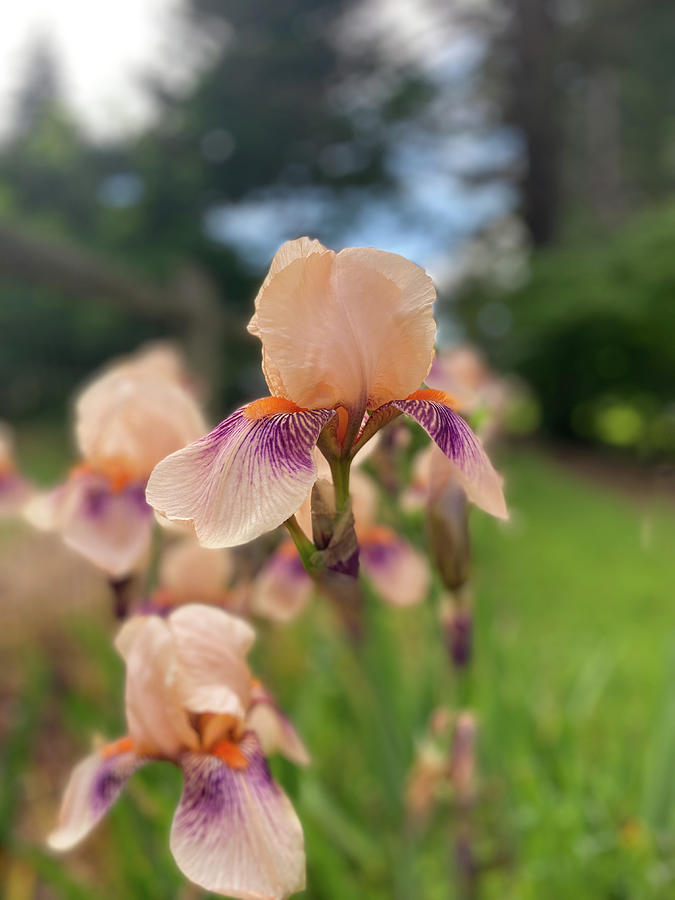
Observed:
{"x":305,"y":547}
{"x":339,"y":468}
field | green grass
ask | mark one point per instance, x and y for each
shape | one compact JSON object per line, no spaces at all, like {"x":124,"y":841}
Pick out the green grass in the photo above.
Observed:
{"x":574,"y":688}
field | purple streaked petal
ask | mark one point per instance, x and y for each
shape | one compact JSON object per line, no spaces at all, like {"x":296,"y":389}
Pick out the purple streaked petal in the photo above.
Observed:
{"x":244,"y":478}
{"x":458,"y":442}
{"x":235,"y":831}
{"x":399,"y":573}
{"x":94,"y":785}
{"x":112,"y":529}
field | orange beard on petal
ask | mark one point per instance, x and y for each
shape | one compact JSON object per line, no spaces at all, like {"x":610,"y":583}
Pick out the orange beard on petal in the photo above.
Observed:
{"x":270,"y":406}
{"x":434,"y":396}
{"x":231,"y":755}
{"x":115,"y":471}
{"x":122,"y":745}
{"x":343,"y":420}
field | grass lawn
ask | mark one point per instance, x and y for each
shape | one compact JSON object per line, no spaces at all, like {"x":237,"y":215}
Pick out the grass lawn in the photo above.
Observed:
{"x":573,"y":684}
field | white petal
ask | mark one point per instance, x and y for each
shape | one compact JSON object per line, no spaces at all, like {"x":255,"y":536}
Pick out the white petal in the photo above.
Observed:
{"x":93,"y":786}
{"x":244,"y":478}
{"x":235,"y":831}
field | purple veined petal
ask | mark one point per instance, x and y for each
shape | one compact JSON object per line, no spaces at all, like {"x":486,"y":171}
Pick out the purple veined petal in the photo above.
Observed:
{"x":235,"y":831}
{"x":399,"y":573}
{"x":483,"y":485}
{"x":282,"y":587}
{"x":94,"y":785}
{"x":112,"y":529}
{"x":244,"y":478}
{"x":275,"y":730}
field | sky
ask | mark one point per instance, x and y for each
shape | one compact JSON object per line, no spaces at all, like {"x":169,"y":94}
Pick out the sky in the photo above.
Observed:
{"x":101,"y":78}
{"x":102,"y":81}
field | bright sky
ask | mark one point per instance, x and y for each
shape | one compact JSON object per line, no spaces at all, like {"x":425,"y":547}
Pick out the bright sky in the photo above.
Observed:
{"x":104,"y":46}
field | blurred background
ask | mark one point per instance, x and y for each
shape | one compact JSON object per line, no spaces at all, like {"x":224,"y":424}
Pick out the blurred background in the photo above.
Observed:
{"x":153,"y":156}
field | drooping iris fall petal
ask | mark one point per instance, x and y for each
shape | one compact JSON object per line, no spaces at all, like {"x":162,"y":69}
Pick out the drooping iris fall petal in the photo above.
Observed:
{"x":94,"y":785}
{"x":399,"y":573}
{"x":483,"y":485}
{"x":110,"y":528}
{"x":244,"y":478}
{"x":235,"y":831}
{"x":353,"y":328}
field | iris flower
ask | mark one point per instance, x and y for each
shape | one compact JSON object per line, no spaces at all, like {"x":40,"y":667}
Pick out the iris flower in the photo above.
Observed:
{"x":347,"y":341}
{"x":126,"y":420}
{"x":191,"y":701}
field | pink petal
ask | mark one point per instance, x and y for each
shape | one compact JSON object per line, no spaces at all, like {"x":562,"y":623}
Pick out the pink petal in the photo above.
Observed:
{"x":244,"y":478}
{"x":399,"y":573}
{"x":235,"y":831}
{"x":354,"y":329}
{"x":458,"y":442}
{"x":285,"y":255}
{"x":275,"y":730}
{"x":282,"y":587}
{"x":112,"y":529}
{"x":157,"y":721}
{"x":211,"y":647}
{"x":93,"y":786}
{"x":135,"y":415}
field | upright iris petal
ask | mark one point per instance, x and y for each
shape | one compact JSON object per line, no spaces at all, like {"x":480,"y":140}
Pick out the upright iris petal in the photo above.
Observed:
{"x":352,"y":329}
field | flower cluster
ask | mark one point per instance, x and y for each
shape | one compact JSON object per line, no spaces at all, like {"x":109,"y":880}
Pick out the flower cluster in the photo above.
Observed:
{"x":347,"y":344}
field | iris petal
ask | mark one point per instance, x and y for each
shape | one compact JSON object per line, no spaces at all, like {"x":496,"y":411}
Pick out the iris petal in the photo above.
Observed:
{"x":235,"y":831}
{"x":474,"y":470}
{"x":244,"y":478}
{"x":94,"y":785}
{"x":399,"y":573}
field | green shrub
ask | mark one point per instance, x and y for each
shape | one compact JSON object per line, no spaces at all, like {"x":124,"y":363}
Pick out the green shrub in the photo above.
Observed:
{"x":593,"y":331}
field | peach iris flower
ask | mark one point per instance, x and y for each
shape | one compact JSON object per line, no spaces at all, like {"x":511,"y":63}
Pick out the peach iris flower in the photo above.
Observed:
{"x":190,"y":700}
{"x":347,"y":335}
{"x":126,"y":420}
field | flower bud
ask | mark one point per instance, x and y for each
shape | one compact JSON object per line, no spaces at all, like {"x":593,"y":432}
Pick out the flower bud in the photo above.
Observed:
{"x":457,"y":624}
{"x":448,"y":531}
